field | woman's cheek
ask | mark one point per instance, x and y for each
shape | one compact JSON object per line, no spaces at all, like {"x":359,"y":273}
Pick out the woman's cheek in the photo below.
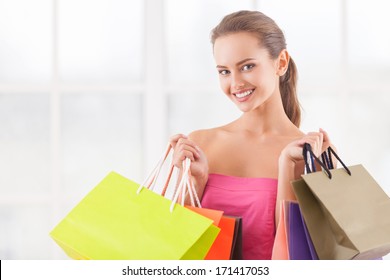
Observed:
{"x":225,"y":86}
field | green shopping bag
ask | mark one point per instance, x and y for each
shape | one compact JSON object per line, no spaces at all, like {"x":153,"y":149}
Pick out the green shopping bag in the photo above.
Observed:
{"x":113,"y":221}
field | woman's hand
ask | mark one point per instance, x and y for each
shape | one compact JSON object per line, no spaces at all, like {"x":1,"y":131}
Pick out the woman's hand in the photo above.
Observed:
{"x":291,"y":164}
{"x":186,"y":148}
{"x":319,"y":142}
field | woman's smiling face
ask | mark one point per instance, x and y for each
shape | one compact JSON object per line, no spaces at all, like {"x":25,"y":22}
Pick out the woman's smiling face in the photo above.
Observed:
{"x":247,"y":73}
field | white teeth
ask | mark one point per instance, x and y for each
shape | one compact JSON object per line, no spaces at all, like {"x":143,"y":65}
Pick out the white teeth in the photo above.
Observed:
{"x":243,"y":94}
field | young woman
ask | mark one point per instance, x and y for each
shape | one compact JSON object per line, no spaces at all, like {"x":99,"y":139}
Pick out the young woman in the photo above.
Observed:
{"x":245,"y":167}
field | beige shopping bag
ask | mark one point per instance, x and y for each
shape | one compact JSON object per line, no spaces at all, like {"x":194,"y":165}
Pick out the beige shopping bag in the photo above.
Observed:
{"x":346,"y":212}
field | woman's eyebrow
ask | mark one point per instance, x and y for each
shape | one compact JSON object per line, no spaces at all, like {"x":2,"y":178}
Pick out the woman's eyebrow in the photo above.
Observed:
{"x":238,"y":63}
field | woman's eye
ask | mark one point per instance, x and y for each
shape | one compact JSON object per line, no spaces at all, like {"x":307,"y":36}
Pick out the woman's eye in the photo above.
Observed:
{"x":247,"y":67}
{"x":223,"y":72}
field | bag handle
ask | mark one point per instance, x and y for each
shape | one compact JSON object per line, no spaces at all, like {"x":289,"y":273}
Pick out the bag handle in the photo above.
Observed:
{"x":327,"y":158}
{"x":194,"y":198}
{"x":186,"y":185}
{"x":151,"y":179}
{"x":307,"y":150}
{"x":330,"y":152}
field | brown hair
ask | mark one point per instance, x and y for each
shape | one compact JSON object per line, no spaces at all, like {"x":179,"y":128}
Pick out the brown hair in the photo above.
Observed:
{"x":272,"y":38}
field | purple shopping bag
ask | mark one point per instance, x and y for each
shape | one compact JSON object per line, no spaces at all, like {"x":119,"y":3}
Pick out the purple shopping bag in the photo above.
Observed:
{"x":299,"y":241}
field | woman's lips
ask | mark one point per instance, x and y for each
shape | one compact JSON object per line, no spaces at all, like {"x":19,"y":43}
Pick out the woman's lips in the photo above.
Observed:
{"x":243,"y":95}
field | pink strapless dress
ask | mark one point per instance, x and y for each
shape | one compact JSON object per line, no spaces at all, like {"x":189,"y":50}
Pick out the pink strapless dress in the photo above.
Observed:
{"x":254,"y":200}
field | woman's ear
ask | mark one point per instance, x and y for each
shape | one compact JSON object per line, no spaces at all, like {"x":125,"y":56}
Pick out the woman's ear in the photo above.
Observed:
{"x":282,"y":63}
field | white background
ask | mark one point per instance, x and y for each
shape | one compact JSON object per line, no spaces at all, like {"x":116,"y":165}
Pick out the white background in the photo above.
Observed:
{"x":91,"y":86}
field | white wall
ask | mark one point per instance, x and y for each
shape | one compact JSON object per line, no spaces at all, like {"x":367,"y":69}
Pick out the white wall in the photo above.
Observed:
{"x":87,"y":87}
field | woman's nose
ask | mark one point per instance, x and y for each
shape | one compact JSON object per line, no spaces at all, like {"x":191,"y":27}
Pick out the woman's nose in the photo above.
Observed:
{"x":237,"y":82}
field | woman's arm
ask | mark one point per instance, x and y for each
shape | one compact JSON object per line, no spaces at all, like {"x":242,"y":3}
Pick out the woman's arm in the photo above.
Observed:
{"x":291,"y":164}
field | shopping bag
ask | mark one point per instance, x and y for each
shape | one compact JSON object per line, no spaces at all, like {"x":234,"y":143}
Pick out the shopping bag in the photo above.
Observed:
{"x":120,"y":220}
{"x":222,"y":246}
{"x":292,"y":241}
{"x":346,"y":212}
{"x":280,"y":247}
{"x":300,"y":245}
{"x":236,"y":252}
{"x":228,"y":244}
{"x":227,"y":240}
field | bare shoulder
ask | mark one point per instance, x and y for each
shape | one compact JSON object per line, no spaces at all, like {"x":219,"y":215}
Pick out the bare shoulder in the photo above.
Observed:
{"x":208,"y":137}
{"x":203,"y":136}
{"x":199,"y":135}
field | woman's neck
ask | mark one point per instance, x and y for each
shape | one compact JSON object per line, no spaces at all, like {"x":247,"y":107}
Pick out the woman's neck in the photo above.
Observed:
{"x":269,"y":118}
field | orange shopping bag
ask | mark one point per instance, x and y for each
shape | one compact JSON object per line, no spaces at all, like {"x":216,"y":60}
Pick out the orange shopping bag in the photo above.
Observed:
{"x":222,"y":246}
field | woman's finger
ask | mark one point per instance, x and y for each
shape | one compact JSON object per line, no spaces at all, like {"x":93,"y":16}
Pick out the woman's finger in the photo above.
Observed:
{"x":185,"y":147}
{"x":175,"y":138}
{"x":188,"y":142}
{"x":314,"y":139}
{"x":327,"y":141}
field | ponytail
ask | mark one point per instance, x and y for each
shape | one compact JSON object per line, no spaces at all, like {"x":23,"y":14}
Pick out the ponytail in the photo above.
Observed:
{"x":288,"y":92}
